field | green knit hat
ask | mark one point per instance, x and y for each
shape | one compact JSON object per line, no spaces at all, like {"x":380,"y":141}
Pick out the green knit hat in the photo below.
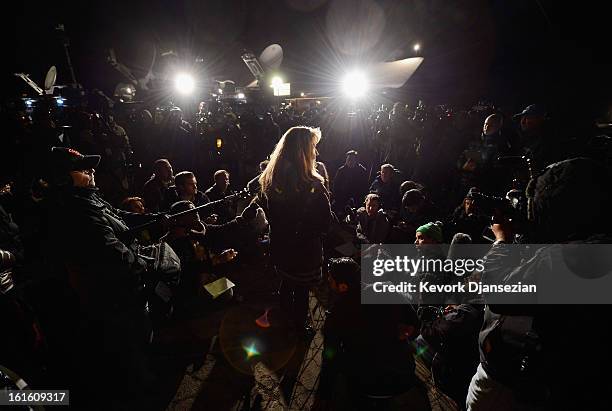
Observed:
{"x":432,"y":230}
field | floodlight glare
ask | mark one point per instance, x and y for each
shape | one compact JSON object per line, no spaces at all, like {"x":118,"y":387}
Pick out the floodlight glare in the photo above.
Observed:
{"x":417,"y":47}
{"x":276,"y":82}
{"x":184,"y":83}
{"x":355,"y":84}
{"x":240,"y":96}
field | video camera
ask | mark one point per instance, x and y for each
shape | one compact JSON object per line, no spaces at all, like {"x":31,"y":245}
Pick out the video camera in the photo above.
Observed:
{"x":512,"y":208}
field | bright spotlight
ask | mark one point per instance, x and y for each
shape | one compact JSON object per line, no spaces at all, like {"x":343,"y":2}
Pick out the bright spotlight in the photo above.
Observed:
{"x":240,"y":96}
{"x":355,"y":84}
{"x":416,"y":47}
{"x":184,"y":83}
{"x":60,"y":101}
{"x":302,"y":94}
{"x":276,"y":82}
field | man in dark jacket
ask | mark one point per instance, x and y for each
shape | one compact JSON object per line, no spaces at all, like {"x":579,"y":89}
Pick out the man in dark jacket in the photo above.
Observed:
{"x":532,"y":356}
{"x":351,"y":182}
{"x":218,"y":191}
{"x":387,"y":185}
{"x":155,"y":188}
{"x":107,"y":277}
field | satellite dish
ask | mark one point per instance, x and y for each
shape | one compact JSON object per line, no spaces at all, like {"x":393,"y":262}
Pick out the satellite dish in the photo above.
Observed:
{"x":394,"y":74}
{"x":50,"y":80}
{"x":272,"y":57}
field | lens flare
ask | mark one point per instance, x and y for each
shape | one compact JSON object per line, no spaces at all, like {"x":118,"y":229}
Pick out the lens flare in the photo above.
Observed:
{"x":251,"y":351}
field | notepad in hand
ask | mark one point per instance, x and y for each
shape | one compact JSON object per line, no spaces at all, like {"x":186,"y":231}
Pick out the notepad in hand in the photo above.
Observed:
{"x":218,"y":287}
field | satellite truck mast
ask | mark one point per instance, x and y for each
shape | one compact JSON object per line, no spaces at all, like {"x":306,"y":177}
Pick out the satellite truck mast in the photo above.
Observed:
{"x":66,"y":42}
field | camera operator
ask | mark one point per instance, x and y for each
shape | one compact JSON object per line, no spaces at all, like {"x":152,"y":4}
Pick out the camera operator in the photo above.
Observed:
{"x":106,"y":276}
{"x":528,"y":354}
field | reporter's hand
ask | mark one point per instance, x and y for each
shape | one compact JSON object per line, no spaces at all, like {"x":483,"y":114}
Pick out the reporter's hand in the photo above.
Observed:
{"x":502,"y":231}
{"x":225,"y":257}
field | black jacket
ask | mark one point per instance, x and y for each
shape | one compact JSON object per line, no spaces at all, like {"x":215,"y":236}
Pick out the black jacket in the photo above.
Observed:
{"x":227,"y":210}
{"x":539,"y":349}
{"x":389,"y":193}
{"x":153,"y":194}
{"x":105,"y":272}
{"x":298,"y":223}
{"x":350,"y":182}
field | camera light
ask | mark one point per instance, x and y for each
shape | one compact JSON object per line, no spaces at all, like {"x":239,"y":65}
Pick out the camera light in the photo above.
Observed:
{"x":184,"y":83}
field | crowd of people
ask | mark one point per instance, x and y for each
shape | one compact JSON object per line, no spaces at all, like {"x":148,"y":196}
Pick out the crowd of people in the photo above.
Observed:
{"x":97,"y":251}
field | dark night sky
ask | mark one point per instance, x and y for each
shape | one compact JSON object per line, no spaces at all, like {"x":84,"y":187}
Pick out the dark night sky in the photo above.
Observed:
{"x":508,"y":51}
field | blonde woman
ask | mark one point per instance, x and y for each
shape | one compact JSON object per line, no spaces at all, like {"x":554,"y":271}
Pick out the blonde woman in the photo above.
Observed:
{"x":296,"y":203}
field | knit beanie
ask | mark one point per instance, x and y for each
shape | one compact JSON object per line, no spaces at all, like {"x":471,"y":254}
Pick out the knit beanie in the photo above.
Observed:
{"x":432,"y":230}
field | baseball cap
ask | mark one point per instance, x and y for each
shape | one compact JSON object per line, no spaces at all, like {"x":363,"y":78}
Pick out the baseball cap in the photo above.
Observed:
{"x":68,"y":159}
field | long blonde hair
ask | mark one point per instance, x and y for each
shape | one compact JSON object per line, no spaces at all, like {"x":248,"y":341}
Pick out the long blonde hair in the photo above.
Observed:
{"x":292,"y":165}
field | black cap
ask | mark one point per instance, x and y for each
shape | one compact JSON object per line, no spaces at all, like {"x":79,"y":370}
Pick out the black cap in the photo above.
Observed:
{"x":412,"y":197}
{"x":67,"y":159}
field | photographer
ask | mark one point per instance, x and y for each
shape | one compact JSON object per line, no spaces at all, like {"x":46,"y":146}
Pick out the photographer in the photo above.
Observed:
{"x":528,"y":353}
